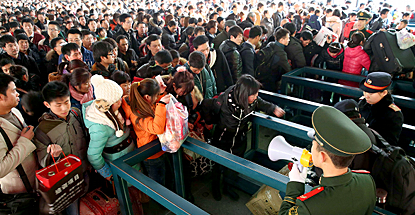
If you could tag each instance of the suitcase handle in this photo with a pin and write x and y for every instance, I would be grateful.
(105, 197)
(383, 51)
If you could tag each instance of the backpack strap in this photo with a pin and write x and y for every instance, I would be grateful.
(19, 168)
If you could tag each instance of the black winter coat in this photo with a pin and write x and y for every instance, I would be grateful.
(222, 36)
(332, 63)
(247, 23)
(26, 61)
(295, 53)
(132, 41)
(230, 118)
(168, 40)
(247, 53)
(279, 67)
(230, 50)
(220, 69)
(384, 117)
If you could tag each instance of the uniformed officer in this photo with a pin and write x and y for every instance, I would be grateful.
(363, 19)
(336, 141)
(378, 108)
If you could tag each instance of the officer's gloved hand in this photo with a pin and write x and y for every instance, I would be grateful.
(296, 175)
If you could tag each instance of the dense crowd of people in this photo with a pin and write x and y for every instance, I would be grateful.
(80, 77)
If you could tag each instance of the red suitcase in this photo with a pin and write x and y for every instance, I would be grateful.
(97, 203)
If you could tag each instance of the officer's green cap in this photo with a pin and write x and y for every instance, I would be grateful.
(339, 135)
(363, 15)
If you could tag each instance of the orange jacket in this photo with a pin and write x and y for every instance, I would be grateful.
(149, 127)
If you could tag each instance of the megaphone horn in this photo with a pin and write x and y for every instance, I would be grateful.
(279, 149)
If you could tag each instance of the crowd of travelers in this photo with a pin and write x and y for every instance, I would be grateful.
(79, 77)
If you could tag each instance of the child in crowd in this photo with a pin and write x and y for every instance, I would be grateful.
(355, 58)
(332, 59)
(61, 130)
(162, 59)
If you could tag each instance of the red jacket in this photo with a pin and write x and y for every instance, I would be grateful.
(354, 60)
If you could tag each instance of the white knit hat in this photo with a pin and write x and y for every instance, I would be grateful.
(106, 89)
(110, 92)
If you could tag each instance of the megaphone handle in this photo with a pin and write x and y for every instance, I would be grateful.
(300, 168)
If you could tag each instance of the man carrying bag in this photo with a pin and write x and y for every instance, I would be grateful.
(17, 161)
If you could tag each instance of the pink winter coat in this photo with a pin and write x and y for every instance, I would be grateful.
(354, 60)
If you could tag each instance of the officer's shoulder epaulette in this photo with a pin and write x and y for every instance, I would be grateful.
(394, 107)
(361, 171)
(369, 31)
(310, 194)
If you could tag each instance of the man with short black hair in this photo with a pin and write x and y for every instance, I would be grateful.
(167, 38)
(230, 48)
(247, 50)
(28, 49)
(294, 49)
(20, 154)
(53, 32)
(104, 59)
(28, 27)
(126, 54)
(75, 36)
(87, 39)
(222, 36)
(71, 51)
(153, 45)
(92, 25)
(11, 48)
(216, 63)
(279, 66)
(380, 22)
(162, 59)
(204, 80)
(126, 22)
(142, 30)
(40, 20)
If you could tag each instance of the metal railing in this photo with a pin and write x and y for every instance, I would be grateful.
(124, 173)
(295, 77)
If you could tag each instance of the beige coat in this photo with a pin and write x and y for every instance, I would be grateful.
(21, 153)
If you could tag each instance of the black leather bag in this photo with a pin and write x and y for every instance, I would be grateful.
(22, 203)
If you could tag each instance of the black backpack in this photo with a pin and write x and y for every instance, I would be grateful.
(265, 59)
(394, 172)
(267, 69)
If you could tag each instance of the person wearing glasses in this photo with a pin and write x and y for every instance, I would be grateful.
(74, 36)
(53, 32)
(104, 59)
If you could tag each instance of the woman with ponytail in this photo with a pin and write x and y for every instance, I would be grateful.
(355, 58)
(147, 113)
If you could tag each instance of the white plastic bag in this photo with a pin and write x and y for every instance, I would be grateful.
(176, 126)
(405, 39)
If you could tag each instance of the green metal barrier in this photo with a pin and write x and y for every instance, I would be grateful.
(123, 172)
(295, 77)
(408, 131)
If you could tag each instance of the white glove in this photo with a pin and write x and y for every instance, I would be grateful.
(296, 175)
